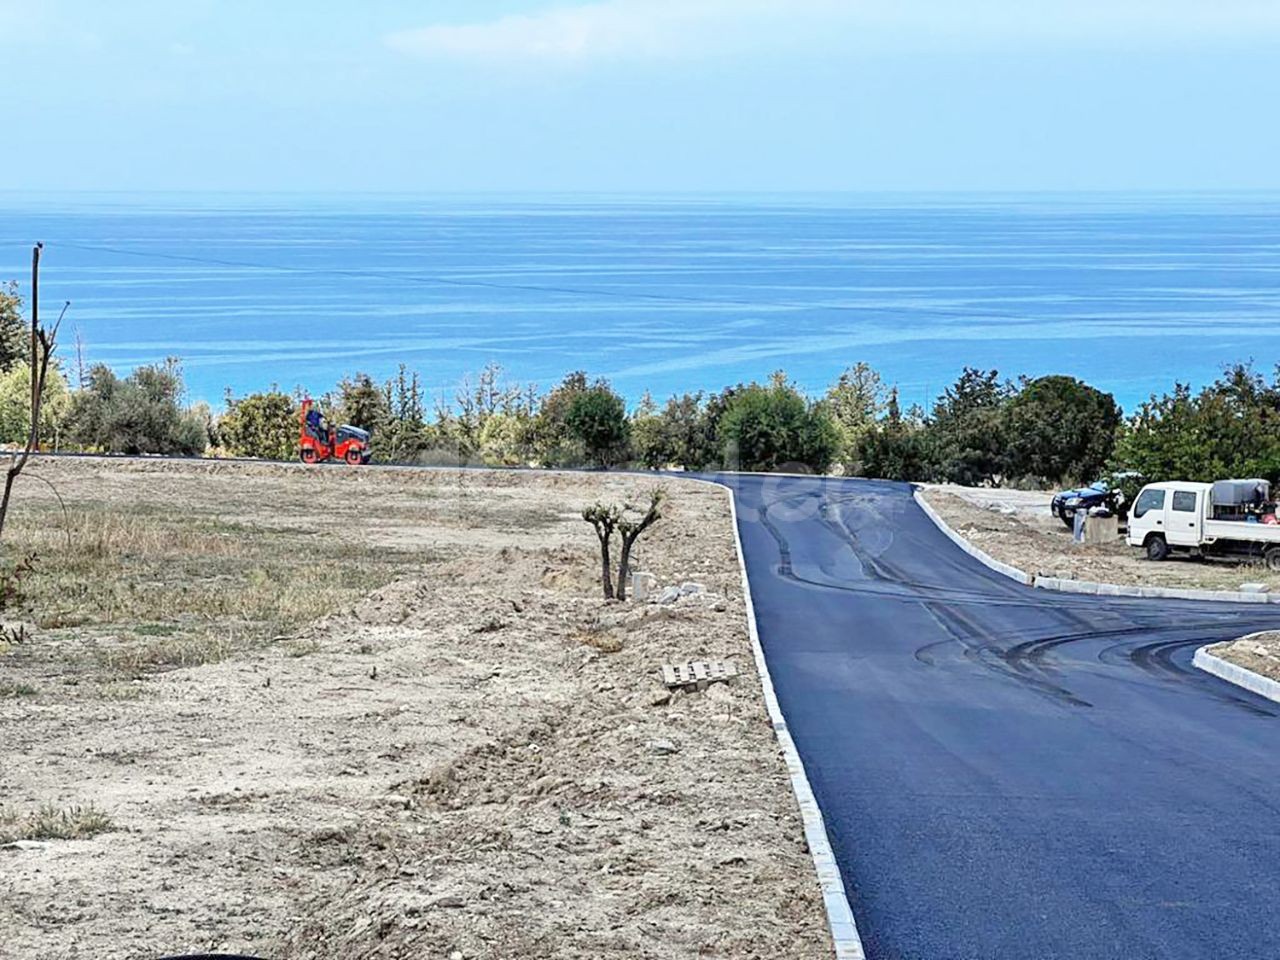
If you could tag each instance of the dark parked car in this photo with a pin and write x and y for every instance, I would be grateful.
(1065, 505)
(1109, 493)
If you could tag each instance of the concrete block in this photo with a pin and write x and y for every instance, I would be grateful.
(1101, 529)
(642, 585)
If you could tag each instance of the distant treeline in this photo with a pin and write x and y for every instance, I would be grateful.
(983, 429)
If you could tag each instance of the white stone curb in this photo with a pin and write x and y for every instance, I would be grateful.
(1240, 676)
(1171, 593)
(844, 930)
(1013, 573)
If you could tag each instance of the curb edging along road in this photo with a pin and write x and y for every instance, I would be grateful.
(1013, 573)
(1088, 587)
(1234, 673)
(844, 930)
(1171, 593)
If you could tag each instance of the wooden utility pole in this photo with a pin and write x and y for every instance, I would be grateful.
(42, 344)
(35, 330)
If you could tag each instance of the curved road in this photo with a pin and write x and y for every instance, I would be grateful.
(1008, 772)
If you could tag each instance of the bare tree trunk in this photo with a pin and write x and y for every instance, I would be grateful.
(624, 567)
(10, 476)
(80, 377)
(35, 340)
(606, 571)
(605, 521)
(631, 533)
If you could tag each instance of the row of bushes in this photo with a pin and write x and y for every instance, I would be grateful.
(982, 429)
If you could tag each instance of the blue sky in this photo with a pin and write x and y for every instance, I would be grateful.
(640, 95)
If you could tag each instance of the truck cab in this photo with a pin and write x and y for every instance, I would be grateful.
(1168, 515)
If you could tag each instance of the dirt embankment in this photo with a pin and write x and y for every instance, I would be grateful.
(1016, 527)
(474, 759)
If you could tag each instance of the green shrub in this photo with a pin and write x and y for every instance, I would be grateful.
(768, 428)
(138, 414)
(1061, 429)
(261, 425)
(597, 419)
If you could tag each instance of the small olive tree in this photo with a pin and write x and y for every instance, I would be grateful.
(629, 522)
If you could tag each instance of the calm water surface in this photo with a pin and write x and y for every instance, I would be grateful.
(664, 294)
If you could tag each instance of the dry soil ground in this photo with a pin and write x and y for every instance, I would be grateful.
(343, 714)
(1015, 526)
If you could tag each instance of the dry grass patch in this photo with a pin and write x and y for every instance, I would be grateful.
(601, 638)
(121, 692)
(170, 566)
(189, 567)
(53, 823)
(170, 653)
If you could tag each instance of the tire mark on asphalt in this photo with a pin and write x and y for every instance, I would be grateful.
(978, 648)
(1027, 661)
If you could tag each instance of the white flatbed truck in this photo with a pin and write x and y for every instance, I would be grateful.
(1230, 518)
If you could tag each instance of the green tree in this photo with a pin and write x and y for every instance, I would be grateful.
(893, 448)
(1061, 429)
(15, 405)
(646, 435)
(682, 433)
(15, 333)
(967, 437)
(506, 439)
(261, 425)
(854, 402)
(553, 443)
(1231, 428)
(362, 403)
(460, 425)
(767, 428)
(405, 436)
(141, 413)
(597, 419)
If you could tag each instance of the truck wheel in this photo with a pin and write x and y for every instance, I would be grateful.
(1272, 559)
(1068, 518)
(354, 457)
(308, 455)
(1157, 549)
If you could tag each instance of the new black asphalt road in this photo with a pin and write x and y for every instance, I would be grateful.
(1008, 772)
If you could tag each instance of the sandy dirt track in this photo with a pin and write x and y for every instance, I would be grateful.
(472, 760)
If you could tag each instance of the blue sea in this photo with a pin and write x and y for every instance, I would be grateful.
(664, 294)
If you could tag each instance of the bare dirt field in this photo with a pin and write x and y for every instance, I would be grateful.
(1015, 527)
(344, 714)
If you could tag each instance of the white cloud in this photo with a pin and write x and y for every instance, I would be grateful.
(648, 29)
(606, 29)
